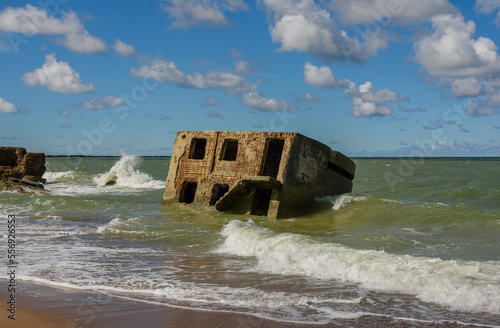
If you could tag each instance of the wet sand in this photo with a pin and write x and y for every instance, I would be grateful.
(43, 306)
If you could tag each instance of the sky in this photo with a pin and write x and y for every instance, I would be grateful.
(365, 77)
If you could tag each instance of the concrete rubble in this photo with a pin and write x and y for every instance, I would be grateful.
(21, 171)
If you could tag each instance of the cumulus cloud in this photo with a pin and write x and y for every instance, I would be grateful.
(322, 77)
(391, 12)
(33, 20)
(260, 102)
(366, 101)
(104, 102)
(191, 13)
(243, 67)
(450, 51)
(57, 77)
(305, 26)
(309, 97)
(479, 108)
(7, 107)
(84, 42)
(466, 87)
(362, 108)
(367, 94)
(164, 70)
(488, 7)
(124, 49)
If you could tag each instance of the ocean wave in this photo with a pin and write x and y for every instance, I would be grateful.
(343, 200)
(469, 286)
(63, 176)
(127, 175)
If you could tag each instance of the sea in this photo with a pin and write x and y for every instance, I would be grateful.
(418, 239)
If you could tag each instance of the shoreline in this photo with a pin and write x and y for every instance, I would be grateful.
(39, 305)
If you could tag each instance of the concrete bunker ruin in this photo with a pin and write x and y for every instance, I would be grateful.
(276, 174)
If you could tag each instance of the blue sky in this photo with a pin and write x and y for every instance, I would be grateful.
(366, 77)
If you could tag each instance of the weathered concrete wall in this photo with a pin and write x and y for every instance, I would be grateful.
(313, 170)
(298, 169)
(213, 169)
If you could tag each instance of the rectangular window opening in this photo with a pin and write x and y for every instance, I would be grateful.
(218, 191)
(198, 146)
(188, 191)
(261, 200)
(229, 150)
(273, 157)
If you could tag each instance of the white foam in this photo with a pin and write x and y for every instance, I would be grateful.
(127, 175)
(459, 285)
(62, 176)
(345, 199)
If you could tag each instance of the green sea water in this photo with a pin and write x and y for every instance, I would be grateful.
(416, 239)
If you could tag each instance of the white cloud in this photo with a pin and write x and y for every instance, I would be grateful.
(309, 97)
(389, 12)
(322, 77)
(366, 93)
(260, 102)
(7, 107)
(210, 101)
(164, 70)
(450, 50)
(33, 20)
(231, 83)
(57, 77)
(123, 48)
(478, 108)
(84, 42)
(494, 99)
(211, 113)
(362, 108)
(235, 53)
(466, 87)
(103, 102)
(487, 7)
(190, 13)
(366, 101)
(304, 26)
(243, 67)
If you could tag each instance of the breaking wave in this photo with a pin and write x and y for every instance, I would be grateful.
(470, 286)
(126, 173)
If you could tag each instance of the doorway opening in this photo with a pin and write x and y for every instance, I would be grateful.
(218, 191)
(188, 191)
(261, 200)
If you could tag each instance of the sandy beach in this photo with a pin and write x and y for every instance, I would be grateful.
(44, 306)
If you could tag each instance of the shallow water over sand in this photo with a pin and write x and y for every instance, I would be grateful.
(415, 239)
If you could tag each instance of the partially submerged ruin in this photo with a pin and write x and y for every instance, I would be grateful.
(277, 174)
(21, 171)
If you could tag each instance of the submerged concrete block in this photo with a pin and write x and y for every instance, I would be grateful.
(277, 174)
